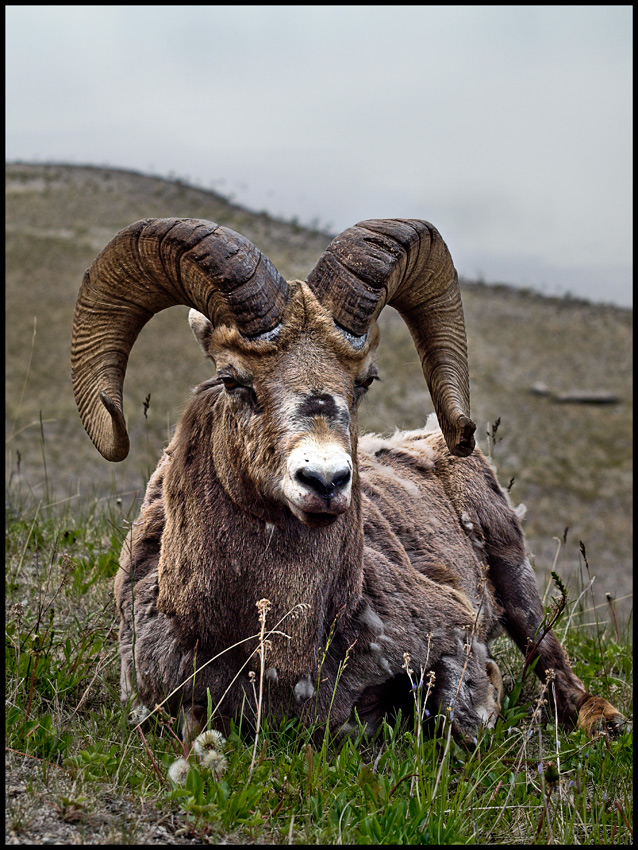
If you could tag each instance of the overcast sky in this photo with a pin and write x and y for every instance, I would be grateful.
(508, 127)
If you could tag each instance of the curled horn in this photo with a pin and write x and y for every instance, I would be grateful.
(405, 263)
(149, 266)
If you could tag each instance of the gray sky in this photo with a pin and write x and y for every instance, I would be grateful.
(508, 127)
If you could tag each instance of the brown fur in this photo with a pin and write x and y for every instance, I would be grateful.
(428, 559)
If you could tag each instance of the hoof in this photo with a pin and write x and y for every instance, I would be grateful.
(597, 716)
(490, 710)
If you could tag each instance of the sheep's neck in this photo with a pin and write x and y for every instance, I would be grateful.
(224, 560)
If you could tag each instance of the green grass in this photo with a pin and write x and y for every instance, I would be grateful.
(525, 782)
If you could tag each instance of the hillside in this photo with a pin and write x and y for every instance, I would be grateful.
(571, 463)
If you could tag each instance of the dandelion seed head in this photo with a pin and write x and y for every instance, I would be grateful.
(215, 763)
(138, 715)
(178, 771)
(211, 739)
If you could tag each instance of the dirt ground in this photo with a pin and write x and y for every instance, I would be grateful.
(44, 805)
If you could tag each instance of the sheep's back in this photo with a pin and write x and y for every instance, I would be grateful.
(409, 513)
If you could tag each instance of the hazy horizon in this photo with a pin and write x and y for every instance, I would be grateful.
(509, 128)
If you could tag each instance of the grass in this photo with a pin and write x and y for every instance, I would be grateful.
(525, 782)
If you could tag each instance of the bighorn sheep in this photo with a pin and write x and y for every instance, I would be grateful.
(383, 546)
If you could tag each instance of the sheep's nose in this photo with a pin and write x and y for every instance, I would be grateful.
(318, 482)
(325, 482)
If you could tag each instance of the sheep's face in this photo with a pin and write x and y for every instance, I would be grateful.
(285, 418)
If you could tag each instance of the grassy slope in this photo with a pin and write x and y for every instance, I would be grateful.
(571, 463)
(86, 777)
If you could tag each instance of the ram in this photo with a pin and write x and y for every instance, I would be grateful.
(382, 552)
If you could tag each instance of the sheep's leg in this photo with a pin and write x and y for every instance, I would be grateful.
(477, 492)
(469, 686)
(518, 593)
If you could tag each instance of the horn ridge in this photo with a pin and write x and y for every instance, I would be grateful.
(148, 266)
(405, 263)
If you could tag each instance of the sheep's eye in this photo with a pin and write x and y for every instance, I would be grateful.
(230, 383)
(361, 387)
(367, 382)
(239, 389)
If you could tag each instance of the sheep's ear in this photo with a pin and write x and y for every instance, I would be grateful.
(201, 327)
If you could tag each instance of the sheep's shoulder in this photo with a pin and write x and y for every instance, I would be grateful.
(409, 517)
(419, 460)
(414, 479)
(482, 504)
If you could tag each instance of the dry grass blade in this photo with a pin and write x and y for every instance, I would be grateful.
(263, 607)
